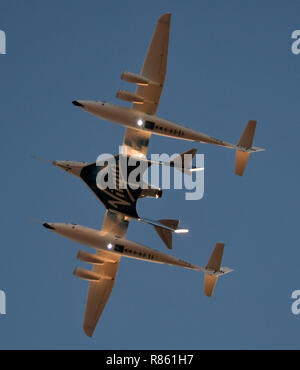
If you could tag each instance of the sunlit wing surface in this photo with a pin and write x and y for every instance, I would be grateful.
(99, 291)
(154, 68)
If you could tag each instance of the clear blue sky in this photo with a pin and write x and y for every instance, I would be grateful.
(228, 62)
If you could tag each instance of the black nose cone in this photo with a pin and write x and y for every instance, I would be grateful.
(47, 226)
(75, 102)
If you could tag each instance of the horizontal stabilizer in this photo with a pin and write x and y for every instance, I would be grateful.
(210, 282)
(213, 269)
(241, 160)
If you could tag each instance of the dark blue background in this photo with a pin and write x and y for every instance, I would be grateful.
(228, 62)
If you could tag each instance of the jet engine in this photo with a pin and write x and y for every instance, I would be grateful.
(129, 96)
(137, 79)
(89, 258)
(86, 274)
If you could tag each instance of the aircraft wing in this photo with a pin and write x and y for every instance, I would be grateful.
(155, 69)
(99, 291)
(155, 66)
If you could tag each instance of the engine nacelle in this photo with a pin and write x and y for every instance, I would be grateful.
(90, 258)
(151, 192)
(137, 79)
(129, 96)
(86, 274)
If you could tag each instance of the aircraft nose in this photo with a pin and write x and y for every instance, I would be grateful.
(77, 103)
(62, 164)
(48, 226)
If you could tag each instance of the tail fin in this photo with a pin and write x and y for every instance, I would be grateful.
(164, 229)
(215, 259)
(173, 224)
(213, 269)
(166, 234)
(182, 161)
(244, 148)
(247, 137)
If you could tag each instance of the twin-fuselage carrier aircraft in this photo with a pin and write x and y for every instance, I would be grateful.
(140, 121)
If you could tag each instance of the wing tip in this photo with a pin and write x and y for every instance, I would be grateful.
(88, 330)
(166, 18)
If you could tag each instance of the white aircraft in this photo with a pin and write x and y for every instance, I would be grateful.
(110, 242)
(141, 120)
(106, 261)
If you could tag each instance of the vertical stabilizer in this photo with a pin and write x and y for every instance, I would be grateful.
(215, 260)
(166, 234)
(247, 137)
